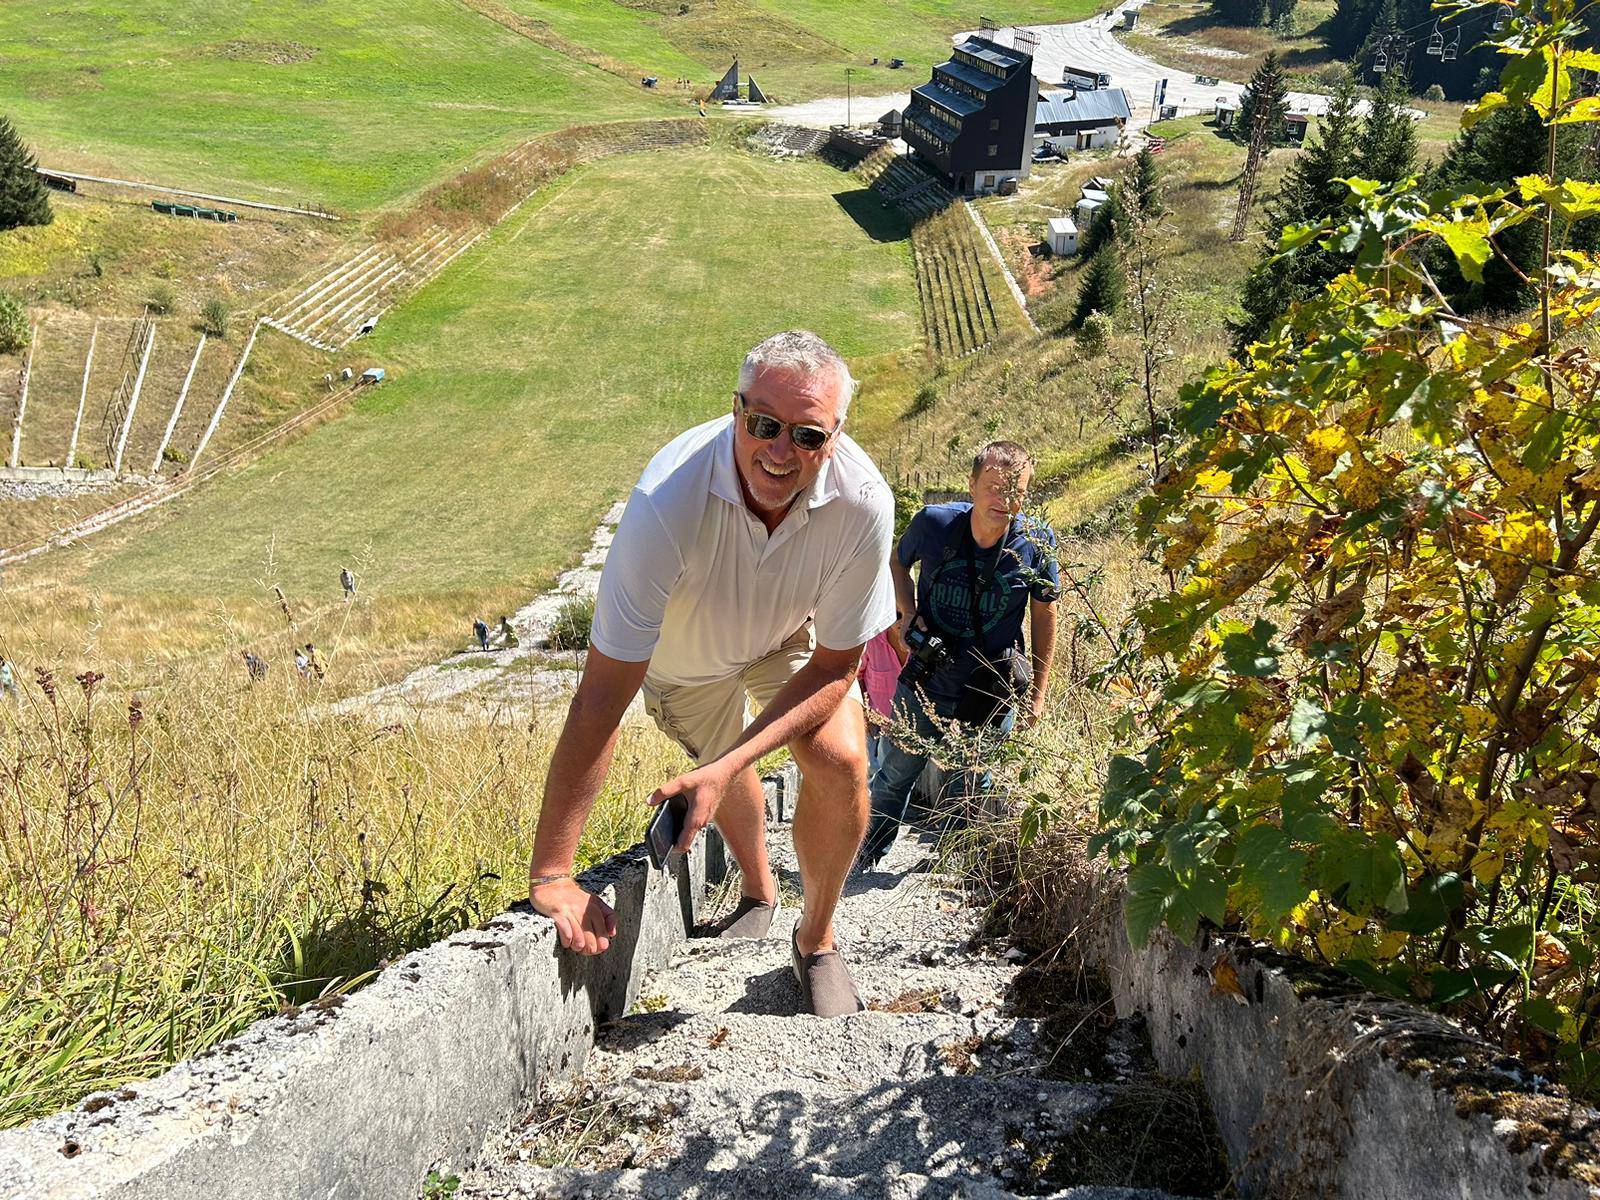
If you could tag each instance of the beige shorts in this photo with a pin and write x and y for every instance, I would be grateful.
(706, 719)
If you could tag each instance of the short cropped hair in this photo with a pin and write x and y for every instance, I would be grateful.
(1006, 456)
(798, 350)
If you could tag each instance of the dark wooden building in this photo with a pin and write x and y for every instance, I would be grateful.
(973, 121)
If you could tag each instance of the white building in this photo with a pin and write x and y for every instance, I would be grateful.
(1063, 236)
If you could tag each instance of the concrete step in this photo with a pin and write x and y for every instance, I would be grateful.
(699, 1183)
(715, 976)
(811, 1053)
(968, 1129)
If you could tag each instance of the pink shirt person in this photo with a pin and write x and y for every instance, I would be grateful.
(880, 672)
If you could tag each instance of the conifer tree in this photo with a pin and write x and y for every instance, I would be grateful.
(1241, 12)
(24, 200)
(1349, 26)
(1508, 144)
(1144, 182)
(1103, 285)
(1310, 194)
(1268, 91)
(1388, 146)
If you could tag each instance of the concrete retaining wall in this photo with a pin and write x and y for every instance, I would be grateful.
(1322, 1090)
(359, 1096)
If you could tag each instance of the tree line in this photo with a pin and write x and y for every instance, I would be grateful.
(1377, 141)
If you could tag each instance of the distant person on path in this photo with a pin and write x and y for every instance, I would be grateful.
(480, 630)
(508, 635)
(302, 664)
(256, 666)
(348, 582)
(749, 564)
(880, 670)
(8, 680)
(313, 658)
(984, 566)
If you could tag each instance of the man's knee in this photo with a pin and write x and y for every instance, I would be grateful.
(837, 747)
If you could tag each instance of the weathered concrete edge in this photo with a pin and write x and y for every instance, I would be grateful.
(1308, 1092)
(360, 1098)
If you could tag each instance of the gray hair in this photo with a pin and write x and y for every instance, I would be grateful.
(798, 350)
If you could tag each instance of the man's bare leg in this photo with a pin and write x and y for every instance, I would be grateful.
(830, 816)
(742, 820)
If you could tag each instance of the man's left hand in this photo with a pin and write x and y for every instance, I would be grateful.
(702, 789)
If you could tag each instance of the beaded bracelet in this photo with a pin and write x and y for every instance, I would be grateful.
(540, 879)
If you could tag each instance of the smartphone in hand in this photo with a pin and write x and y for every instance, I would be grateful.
(665, 828)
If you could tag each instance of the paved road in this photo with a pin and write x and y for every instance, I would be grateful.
(1092, 44)
(1088, 43)
(830, 110)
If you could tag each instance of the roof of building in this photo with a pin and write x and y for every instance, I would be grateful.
(1065, 108)
(944, 98)
(1062, 225)
(992, 52)
(924, 119)
(1088, 203)
(970, 75)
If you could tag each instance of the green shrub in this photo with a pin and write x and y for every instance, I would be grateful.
(162, 299)
(214, 317)
(1369, 688)
(1094, 335)
(13, 325)
(571, 628)
(1434, 92)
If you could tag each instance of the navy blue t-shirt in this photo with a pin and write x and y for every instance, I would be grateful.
(1020, 567)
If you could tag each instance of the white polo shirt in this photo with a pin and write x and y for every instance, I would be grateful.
(694, 583)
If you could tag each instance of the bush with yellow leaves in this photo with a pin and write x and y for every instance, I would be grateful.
(1378, 666)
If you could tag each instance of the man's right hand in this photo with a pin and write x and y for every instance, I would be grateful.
(902, 630)
(584, 922)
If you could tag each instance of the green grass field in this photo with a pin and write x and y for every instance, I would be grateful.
(533, 379)
(354, 104)
(798, 49)
(359, 104)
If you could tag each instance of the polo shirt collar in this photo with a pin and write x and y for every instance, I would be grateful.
(725, 477)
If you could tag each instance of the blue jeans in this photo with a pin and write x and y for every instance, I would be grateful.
(895, 772)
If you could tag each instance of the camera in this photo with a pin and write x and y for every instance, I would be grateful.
(930, 654)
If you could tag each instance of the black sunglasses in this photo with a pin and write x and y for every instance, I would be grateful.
(764, 428)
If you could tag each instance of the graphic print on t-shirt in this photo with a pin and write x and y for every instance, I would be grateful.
(950, 596)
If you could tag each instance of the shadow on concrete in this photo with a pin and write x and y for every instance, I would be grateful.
(639, 1029)
(773, 993)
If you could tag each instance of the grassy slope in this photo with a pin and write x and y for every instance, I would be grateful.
(798, 49)
(395, 92)
(533, 379)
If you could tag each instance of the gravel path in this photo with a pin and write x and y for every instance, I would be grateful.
(717, 1088)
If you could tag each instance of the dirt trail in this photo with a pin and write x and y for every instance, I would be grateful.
(514, 677)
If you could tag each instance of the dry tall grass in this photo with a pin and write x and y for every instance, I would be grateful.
(185, 856)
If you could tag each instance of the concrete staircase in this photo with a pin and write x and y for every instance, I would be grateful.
(714, 1087)
(920, 194)
(330, 310)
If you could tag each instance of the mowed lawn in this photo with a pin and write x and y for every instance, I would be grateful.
(532, 381)
(353, 103)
